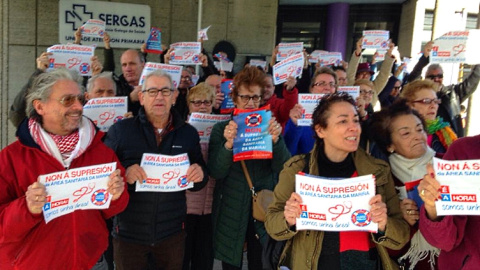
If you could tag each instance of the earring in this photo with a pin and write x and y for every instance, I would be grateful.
(391, 151)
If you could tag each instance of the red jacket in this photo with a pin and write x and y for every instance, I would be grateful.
(73, 241)
(281, 106)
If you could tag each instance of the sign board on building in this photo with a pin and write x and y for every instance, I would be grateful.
(127, 24)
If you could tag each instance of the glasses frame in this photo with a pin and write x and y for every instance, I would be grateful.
(323, 84)
(244, 99)
(432, 77)
(66, 102)
(198, 103)
(365, 92)
(428, 101)
(153, 92)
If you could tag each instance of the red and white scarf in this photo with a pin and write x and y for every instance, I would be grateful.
(63, 148)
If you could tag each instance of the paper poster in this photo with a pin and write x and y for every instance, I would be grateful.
(93, 28)
(174, 71)
(459, 187)
(186, 53)
(286, 50)
(154, 41)
(308, 102)
(104, 112)
(195, 78)
(202, 34)
(380, 55)
(292, 66)
(227, 105)
(353, 91)
(253, 140)
(223, 65)
(77, 189)
(456, 47)
(315, 56)
(72, 57)
(330, 59)
(204, 123)
(258, 63)
(164, 173)
(375, 39)
(335, 205)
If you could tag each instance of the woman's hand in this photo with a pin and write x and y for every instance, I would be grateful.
(275, 129)
(428, 189)
(296, 113)
(409, 211)
(230, 132)
(378, 211)
(292, 209)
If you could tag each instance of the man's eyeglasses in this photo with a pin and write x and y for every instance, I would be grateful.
(432, 77)
(428, 101)
(323, 84)
(68, 100)
(185, 78)
(247, 98)
(153, 92)
(397, 87)
(365, 92)
(198, 103)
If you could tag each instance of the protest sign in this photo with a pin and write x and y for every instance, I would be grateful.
(154, 41)
(353, 91)
(292, 66)
(258, 63)
(202, 34)
(375, 39)
(315, 56)
(308, 102)
(459, 187)
(330, 58)
(456, 47)
(164, 173)
(204, 123)
(185, 53)
(286, 50)
(104, 112)
(335, 205)
(174, 71)
(227, 104)
(253, 140)
(93, 28)
(76, 189)
(72, 57)
(380, 55)
(223, 65)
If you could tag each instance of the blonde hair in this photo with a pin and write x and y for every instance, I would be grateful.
(201, 90)
(409, 91)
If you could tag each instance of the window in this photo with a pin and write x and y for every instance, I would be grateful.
(472, 21)
(306, 32)
(428, 22)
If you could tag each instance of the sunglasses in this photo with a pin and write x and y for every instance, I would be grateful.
(432, 77)
(428, 101)
(68, 100)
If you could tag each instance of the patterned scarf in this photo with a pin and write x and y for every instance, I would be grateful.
(63, 148)
(443, 130)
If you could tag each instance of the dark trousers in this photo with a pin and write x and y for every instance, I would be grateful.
(198, 244)
(254, 251)
(166, 255)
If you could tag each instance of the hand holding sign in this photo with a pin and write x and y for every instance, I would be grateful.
(429, 192)
(135, 173)
(36, 197)
(378, 212)
(116, 185)
(195, 173)
(292, 209)
(230, 132)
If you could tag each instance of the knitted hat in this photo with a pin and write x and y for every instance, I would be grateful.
(364, 67)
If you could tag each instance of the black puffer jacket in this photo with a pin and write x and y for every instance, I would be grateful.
(152, 216)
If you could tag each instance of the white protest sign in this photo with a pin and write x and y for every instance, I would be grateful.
(456, 47)
(258, 63)
(292, 66)
(315, 56)
(93, 28)
(330, 58)
(380, 55)
(72, 57)
(459, 187)
(174, 71)
(353, 91)
(75, 189)
(286, 50)
(185, 53)
(375, 39)
(202, 34)
(164, 173)
(127, 24)
(223, 65)
(335, 205)
(204, 123)
(308, 102)
(104, 112)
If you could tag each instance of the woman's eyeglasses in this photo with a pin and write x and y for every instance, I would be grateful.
(428, 101)
(198, 103)
(247, 98)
